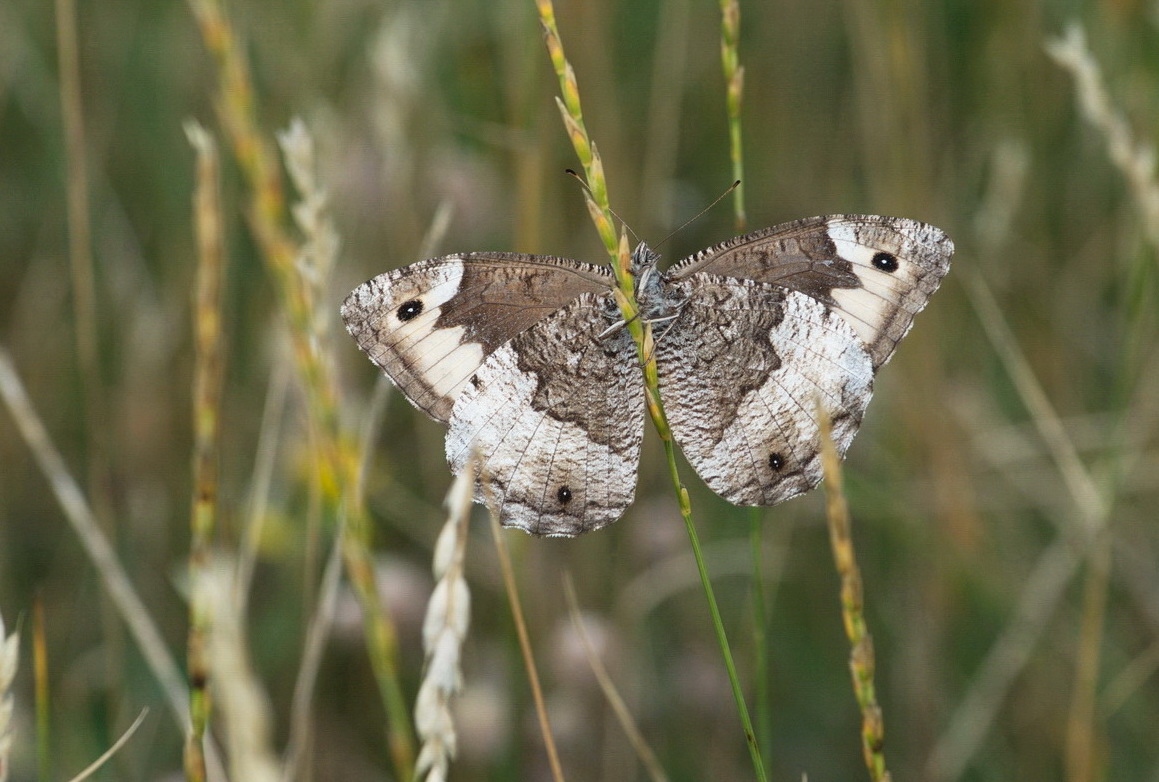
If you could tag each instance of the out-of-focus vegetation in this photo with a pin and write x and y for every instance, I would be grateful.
(1000, 487)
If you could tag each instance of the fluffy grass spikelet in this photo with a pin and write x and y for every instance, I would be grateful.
(444, 630)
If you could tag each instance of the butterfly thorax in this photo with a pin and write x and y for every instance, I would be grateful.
(658, 301)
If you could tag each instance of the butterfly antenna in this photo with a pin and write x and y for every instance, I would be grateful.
(699, 214)
(586, 187)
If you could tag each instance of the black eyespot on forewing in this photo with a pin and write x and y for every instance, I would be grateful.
(776, 462)
(563, 495)
(886, 262)
(410, 310)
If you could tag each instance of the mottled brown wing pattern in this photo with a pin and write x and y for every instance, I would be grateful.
(556, 417)
(430, 326)
(742, 371)
(876, 272)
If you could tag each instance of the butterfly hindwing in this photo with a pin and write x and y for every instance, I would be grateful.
(556, 417)
(876, 272)
(742, 370)
(429, 326)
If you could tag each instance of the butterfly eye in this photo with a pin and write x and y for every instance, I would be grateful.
(564, 495)
(776, 461)
(886, 262)
(410, 310)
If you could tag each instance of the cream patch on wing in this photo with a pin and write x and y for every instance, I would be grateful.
(395, 319)
(870, 308)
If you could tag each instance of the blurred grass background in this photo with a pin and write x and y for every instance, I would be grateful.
(1009, 643)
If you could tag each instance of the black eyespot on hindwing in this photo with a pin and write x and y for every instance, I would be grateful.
(776, 461)
(410, 310)
(563, 495)
(886, 262)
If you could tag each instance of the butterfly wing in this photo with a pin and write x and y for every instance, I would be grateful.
(429, 326)
(742, 369)
(875, 272)
(556, 416)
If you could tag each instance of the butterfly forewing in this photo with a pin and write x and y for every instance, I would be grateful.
(431, 325)
(556, 417)
(742, 370)
(876, 272)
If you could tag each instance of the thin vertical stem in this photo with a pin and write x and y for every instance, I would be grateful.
(641, 331)
(525, 647)
(734, 81)
(209, 358)
(337, 462)
(861, 658)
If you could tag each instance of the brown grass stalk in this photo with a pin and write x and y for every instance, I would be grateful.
(335, 449)
(862, 663)
(208, 369)
(624, 716)
(85, 326)
(513, 600)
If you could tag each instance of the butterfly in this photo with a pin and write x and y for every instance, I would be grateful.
(525, 358)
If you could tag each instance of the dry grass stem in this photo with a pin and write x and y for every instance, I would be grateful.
(525, 646)
(976, 711)
(265, 460)
(1135, 160)
(80, 241)
(241, 701)
(444, 630)
(9, 662)
(1129, 680)
(317, 634)
(96, 546)
(295, 270)
(208, 370)
(628, 723)
(1046, 586)
(1092, 508)
(861, 658)
(107, 755)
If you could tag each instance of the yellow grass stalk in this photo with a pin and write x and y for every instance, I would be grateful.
(335, 449)
(861, 657)
(209, 358)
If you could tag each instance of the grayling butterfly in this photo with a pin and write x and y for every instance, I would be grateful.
(520, 355)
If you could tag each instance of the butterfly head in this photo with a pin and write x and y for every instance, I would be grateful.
(657, 300)
(643, 259)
